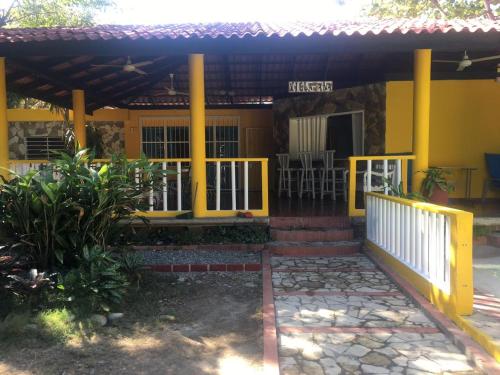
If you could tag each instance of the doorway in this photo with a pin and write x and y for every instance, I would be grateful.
(345, 134)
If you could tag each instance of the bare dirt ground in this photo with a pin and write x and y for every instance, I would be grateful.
(206, 323)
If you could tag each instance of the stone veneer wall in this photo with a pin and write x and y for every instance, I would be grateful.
(111, 135)
(370, 98)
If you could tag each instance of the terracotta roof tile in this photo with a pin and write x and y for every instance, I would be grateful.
(247, 29)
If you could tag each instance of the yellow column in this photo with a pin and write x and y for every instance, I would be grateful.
(79, 118)
(4, 124)
(197, 110)
(421, 114)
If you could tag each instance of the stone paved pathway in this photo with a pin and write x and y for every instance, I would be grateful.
(340, 315)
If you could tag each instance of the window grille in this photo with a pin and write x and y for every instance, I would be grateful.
(168, 137)
(43, 147)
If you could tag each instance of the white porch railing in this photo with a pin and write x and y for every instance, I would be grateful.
(173, 198)
(375, 172)
(233, 185)
(433, 243)
(415, 236)
(239, 184)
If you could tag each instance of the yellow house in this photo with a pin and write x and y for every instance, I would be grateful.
(268, 120)
(218, 102)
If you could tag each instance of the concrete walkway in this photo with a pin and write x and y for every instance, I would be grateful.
(341, 315)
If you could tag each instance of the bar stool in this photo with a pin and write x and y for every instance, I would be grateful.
(332, 176)
(287, 175)
(307, 175)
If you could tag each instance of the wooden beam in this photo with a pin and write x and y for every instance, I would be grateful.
(56, 81)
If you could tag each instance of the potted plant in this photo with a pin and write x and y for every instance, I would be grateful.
(435, 187)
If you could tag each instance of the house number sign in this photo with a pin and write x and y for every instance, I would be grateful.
(310, 86)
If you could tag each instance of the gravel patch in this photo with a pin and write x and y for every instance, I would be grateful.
(199, 257)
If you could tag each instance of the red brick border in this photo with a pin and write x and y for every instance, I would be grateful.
(358, 330)
(230, 267)
(346, 294)
(326, 269)
(472, 349)
(271, 358)
(219, 247)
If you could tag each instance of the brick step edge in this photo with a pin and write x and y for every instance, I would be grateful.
(302, 235)
(219, 247)
(325, 249)
(284, 222)
(223, 267)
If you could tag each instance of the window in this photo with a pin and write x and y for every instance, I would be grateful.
(222, 141)
(43, 147)
(153, 142)
(168, 137)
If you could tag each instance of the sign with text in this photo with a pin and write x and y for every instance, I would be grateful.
(310, 86)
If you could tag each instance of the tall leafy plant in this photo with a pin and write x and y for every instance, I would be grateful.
(52, 213)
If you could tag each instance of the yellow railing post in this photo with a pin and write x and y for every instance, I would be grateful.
(197, 111)
(462, 284)
(352, 187)
(404, 175)
(265, 187)
(4, 124)
(79, 118)
(421, 114)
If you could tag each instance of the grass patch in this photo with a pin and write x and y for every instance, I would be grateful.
(57, 324)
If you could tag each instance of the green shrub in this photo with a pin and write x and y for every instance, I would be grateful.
(52, 213)
(132, 265)
(97, 284)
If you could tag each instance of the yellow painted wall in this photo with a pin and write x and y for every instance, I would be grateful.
(464, 124)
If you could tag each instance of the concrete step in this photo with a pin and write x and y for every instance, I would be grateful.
(304, 248)
(293, 222)
(312, 234)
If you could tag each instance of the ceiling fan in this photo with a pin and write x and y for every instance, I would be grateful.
(128, 67)
(171, 90)
(466, 61)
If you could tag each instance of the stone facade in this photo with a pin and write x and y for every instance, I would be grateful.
(370, 98)
(110, 133)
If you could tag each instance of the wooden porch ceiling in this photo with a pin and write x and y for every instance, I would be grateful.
(230, 79)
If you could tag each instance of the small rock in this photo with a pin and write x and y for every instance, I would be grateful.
(115, 316)
(99, 319)
(250, 285)
(312, 352)
(357, 351)
(167, 317)
(181, 279)
(312, 368)
(376, 359)
(368, 369)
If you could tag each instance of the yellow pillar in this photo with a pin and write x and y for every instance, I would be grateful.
(421, 114)
(197, 111)
(4, 125)
(79, 118)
